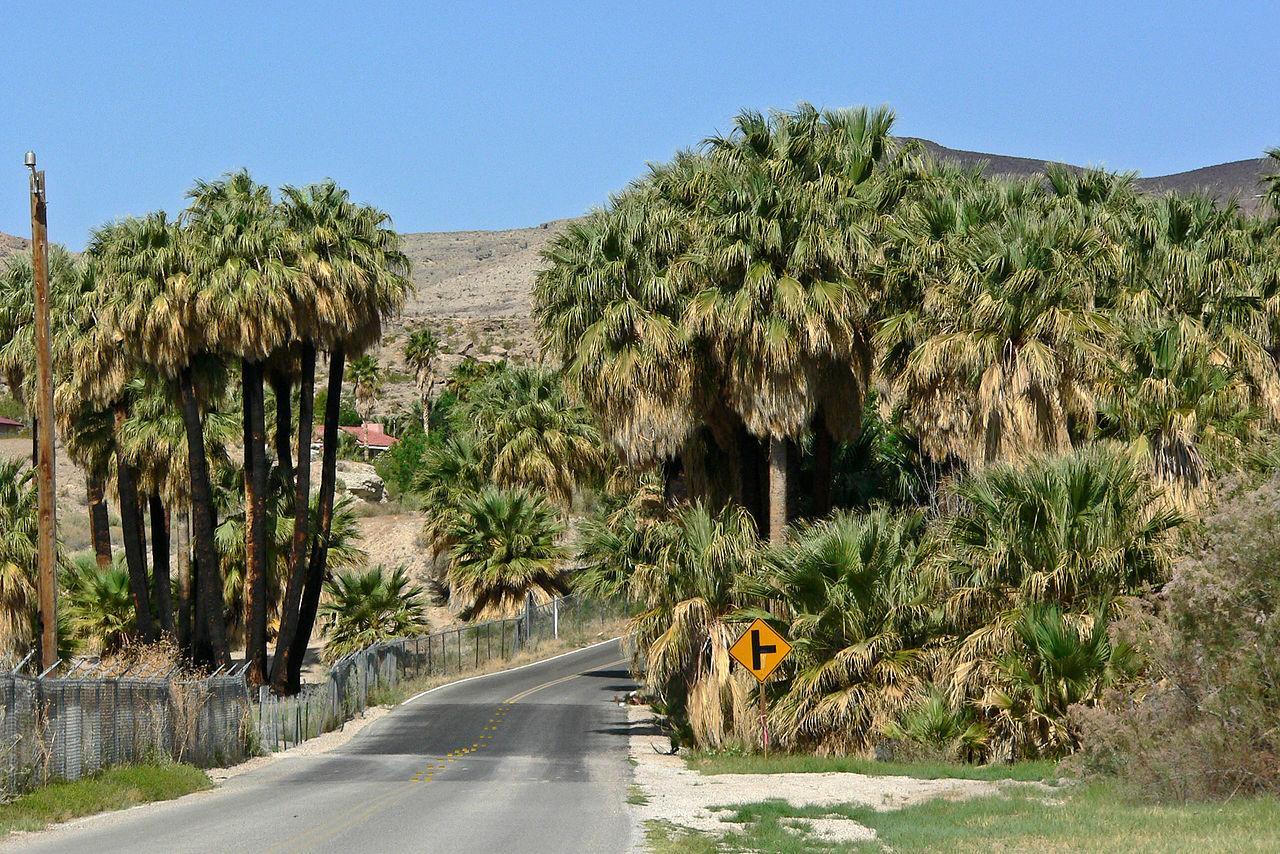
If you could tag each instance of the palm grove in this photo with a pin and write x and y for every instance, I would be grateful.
(168, 336)
(954, 434)
(1020, 393)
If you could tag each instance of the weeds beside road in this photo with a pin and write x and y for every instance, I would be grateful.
(113, 789)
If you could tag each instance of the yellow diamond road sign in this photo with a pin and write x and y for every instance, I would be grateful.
(760, 650)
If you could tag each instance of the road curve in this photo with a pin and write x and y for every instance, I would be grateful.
(527, 760)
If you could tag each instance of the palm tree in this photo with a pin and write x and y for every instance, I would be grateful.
(448, 472)
(1054, 663)
(146, 314)
(69, 282)
(785, 276)
(100, 604)
(363, 608)
(610, 311)
(690, 598)
(420, 352)
(18, 522)
(860, 599)
(504, 549)
(1004, 353)
(1178, 406)
(528, 433)
(617, 546)
(1272, 180)
(366, 379)
(244, 308)
(353, 274)
(1067, 531)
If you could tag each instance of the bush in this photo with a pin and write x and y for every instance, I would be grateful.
(399, 465)
(1205, 723)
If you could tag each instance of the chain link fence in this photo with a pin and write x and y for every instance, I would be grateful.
(282, 722)
(67, 727)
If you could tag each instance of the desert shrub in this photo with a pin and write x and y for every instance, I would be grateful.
(399, 465)
(1205, 722)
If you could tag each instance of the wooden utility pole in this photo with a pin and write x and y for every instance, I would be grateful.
(47, 551)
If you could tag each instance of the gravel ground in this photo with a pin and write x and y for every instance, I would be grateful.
(686, 798)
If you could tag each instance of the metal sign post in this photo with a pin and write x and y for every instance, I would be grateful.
(760, 650)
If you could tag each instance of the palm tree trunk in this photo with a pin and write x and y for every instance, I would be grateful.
(182, 531)
(99, 520)
(292, 600)
(255, 523)
(282, 387)
(210, 635)
(823, 450)
(320, 543)
(134, 550)
(161, 595)
(777, 489)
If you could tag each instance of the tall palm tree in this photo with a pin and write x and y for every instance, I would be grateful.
(786, 276)
(610, 311)
(420, 352)
(244, 309)
(504, 549)
(353, 273)
(1004, 353)
(69, 281)
(366, 380)
(146, 313)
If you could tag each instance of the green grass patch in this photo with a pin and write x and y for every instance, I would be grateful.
(113, 789)
(1093, 817)
(724, 763)
(636, 796)
(665, 839)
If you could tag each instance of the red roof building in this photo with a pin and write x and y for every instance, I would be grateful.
(370, 436)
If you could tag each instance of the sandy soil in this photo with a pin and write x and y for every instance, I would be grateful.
(686, 798)
(392, 540)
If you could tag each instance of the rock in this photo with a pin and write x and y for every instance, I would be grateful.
(361, 481)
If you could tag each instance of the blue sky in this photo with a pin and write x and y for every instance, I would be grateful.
(473, 115)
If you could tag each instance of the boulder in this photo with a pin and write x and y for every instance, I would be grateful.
(359, 480)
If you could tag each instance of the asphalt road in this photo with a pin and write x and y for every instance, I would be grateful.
(530, 760)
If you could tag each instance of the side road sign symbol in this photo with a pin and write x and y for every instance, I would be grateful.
(760, 650)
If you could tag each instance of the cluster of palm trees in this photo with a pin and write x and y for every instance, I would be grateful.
(993, 607)
(507, 459)
(743, 301)
(1043, 377)
(169, 335)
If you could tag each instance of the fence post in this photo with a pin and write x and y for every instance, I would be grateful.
(555, 618)
(528, 615)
